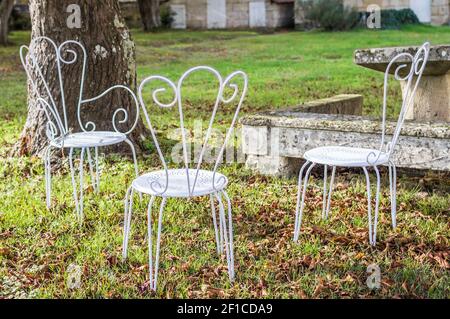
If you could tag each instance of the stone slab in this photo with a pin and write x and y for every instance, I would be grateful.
(432, 99)
(286, 136)
(379, 58)
(345, 123)
(340, 104)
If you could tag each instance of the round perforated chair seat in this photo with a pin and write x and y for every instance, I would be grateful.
(89, 139)
(346, 156)
(154, 183)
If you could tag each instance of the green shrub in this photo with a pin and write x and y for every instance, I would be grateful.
(20, 18)
(330, 15)
(166, 16)
(394, 19)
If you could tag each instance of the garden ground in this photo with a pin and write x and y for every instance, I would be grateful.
(37, 246)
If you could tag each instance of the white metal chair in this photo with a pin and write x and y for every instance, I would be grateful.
(187, 182)
(341, 156)
(54, 105)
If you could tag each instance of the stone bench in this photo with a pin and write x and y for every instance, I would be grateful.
(340, 104)
(274, 142)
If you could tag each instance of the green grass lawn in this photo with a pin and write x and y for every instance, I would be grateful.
(38, 246)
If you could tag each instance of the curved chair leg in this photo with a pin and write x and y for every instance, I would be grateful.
(230, 233)
(48, 177)
(225, 235)
(133, 150)
(333, 174)
(127, 221)
(154, 272)
(91, 170)
(78, 198)
(221, 231)
(300, 206)
(393, 191)
(74, 184)
(369, 206)
(327, 193)
(222, 227)
(377, 205)
(81, 203)
(324, 200)
(136, 168)
(97, 171)
(219, 244)
(299, 192)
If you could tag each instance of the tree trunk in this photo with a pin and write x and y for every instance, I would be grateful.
(110, 61)
(150, 15)
(6, 7)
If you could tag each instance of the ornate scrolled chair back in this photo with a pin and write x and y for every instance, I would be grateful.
(67, 53)
(237, 96)
(52, 102)
(410, 74)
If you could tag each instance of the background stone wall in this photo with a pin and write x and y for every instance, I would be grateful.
(195, 12)
(277, 14)
(130, 12)
(440, 12)
(384, 4)
(440, 9)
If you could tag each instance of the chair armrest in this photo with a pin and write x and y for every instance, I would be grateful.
(90, 126)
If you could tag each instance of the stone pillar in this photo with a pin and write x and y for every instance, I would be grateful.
(432, 100)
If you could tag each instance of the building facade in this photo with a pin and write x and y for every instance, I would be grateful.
(232, 14)
(435, 12)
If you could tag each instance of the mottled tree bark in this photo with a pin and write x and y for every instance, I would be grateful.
(150, 14)
(110, 61)
(6, 7)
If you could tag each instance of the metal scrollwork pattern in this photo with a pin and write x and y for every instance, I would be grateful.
(229, 82)
(159, 187)
(155, 185)
(67, 53)
(411, 76)
(90, 126)
(51, 101)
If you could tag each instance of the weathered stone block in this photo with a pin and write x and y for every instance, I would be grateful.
(350, 104)
(290, 134)
(379, 58)
(255, 140)
(432, 99)
(273, 165)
